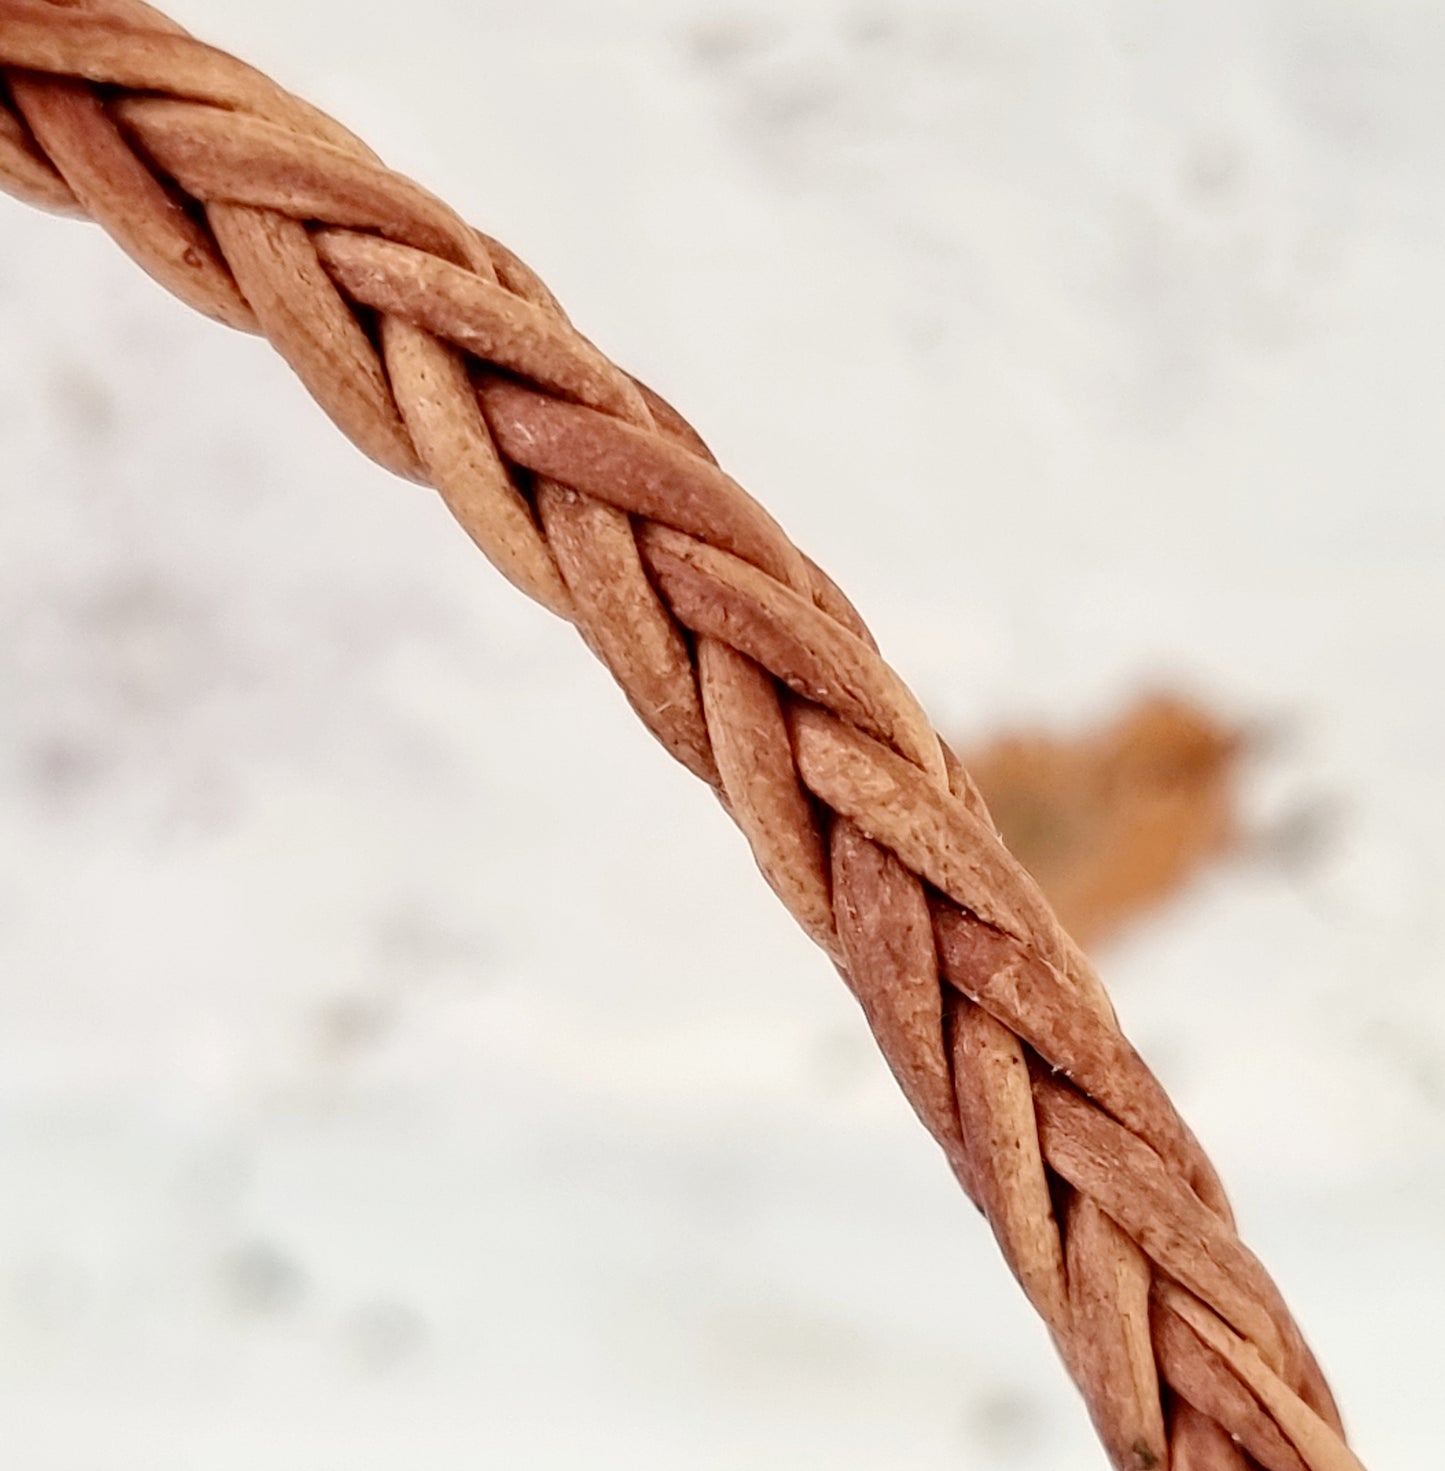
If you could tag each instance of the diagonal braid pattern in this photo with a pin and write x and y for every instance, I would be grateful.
(441, 356)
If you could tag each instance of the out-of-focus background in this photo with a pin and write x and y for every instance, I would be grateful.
(400, 1063)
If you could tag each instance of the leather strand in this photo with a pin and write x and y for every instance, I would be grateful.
(443, 358)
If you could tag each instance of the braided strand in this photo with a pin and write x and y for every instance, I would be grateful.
(444, 359)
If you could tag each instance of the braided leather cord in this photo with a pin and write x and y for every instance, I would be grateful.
(441, 356)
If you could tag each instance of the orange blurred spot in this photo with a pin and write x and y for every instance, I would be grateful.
(1116, 821)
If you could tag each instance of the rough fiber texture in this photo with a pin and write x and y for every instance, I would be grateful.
(442, 357)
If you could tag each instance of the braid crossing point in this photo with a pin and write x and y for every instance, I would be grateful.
(441, 356)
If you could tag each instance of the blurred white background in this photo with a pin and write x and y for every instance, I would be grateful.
(401, 1064)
